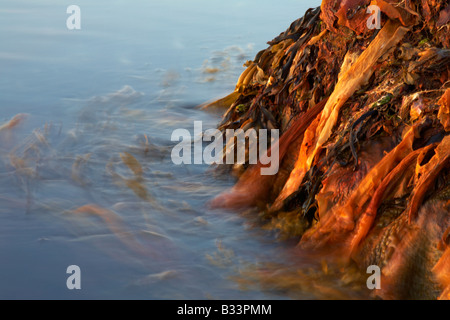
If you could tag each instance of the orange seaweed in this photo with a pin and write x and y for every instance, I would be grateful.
(340, 220)
(114, 223)
(442, 272)
(388, 185)
(252, 186)
(357, 22)
(439, 162)
(396, 12)
(15, 121)
(444, 110)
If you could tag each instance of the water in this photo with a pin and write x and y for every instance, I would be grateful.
(95, 102)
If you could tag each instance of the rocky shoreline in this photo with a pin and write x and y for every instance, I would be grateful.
(364, 149)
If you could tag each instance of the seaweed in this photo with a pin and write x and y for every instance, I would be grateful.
(364, 121)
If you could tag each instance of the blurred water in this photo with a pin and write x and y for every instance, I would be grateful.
(94, 100)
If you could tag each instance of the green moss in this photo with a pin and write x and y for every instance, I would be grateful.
(241, 108)
(386, 99)
(423, 41)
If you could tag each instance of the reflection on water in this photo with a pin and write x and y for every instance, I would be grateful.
(86, 176)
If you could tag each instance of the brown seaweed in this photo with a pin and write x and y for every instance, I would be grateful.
(364, 117)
